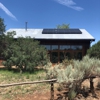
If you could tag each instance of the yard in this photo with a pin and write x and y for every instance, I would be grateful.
(37, 91)
(8, 77)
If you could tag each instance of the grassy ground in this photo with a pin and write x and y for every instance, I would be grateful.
(8, 77)
(35, 91)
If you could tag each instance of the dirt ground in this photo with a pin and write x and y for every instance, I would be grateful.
(35, 96)
(58, 95)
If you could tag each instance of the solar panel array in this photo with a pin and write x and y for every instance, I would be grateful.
(61, 31)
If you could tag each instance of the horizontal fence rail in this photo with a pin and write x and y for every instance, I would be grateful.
(52, 81)
(24, 83)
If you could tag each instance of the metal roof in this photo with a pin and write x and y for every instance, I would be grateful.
(37, 34)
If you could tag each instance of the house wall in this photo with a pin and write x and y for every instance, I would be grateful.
(75, 49)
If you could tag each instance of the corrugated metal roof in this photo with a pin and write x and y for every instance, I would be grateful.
(37, 34)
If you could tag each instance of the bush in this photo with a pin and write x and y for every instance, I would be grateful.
(87, 68)
(25, 54)
(94, 51)
(67, 62)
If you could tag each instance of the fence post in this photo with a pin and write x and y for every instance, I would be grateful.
(52, 91)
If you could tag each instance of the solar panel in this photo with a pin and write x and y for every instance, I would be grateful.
(61, 31)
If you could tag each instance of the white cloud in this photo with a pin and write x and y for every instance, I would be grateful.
(7, 11)
(70, 4)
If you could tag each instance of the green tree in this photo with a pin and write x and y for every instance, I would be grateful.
(5, 42)
(25, 54)
(94, 51)
(2, 30)
(63, 26)
(2, 26)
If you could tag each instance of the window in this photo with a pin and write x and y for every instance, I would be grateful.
(54, 47)
(64, 47)
(47, 47)
(61, 56)
(60, 52)
(76, 47)
(54, 57)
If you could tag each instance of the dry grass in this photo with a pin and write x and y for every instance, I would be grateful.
(20, 92)
(8, 77)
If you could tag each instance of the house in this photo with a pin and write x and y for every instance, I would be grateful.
(60, 43)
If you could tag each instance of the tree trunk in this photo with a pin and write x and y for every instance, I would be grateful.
(20, 70)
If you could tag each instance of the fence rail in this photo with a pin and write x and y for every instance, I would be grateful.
(52, 81)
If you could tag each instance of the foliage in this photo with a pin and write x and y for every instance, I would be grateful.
(94, 51)
(2, 26)
(2, 30)
(5, 40)
(24, 53)
(63, 26)
(74, 75)
(72, 94)
(67, 62)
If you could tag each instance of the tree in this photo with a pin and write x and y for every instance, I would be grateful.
(63, 26)
(2, 26)
(25, 54)
(2, 30)
(94, 51)
(5, 42)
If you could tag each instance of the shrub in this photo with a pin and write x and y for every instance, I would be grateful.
(67, 62)
(94, 51)
(87, 68)
(25, 54)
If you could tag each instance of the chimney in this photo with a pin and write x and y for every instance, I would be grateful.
(26, 26)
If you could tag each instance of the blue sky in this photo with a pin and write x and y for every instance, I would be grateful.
(49, 13)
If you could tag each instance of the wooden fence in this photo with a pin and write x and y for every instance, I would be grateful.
(52, 81)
